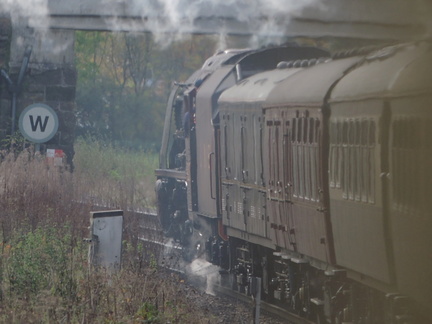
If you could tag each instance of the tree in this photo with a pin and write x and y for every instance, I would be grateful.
(124, 81)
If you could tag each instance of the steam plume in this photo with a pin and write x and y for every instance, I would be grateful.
(35, 11)
(168, 20)
(180, 16)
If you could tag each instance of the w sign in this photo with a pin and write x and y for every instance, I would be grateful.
(38, 123)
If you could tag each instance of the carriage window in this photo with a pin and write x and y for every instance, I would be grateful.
(226, 151)
(243, 152)
(299, 130)
(305, 130)
(305, 157)
(352, 163)
(301, 159)
(311, 131)
(364, 132)
(358, 161)
(411, 153)
(315, 159)
(371, 134)
(276, 160)
(334, 154)
(256, 148)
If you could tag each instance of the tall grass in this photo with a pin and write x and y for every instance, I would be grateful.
(121, 178)
(44, 217)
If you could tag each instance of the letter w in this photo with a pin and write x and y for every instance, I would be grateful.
(38, 121)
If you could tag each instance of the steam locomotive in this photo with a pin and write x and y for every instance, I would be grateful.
(311, 171)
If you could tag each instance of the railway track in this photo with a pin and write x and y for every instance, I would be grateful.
(266, 307)
(198, 272)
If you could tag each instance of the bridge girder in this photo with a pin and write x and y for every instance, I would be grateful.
(220, 25)
(373, 19)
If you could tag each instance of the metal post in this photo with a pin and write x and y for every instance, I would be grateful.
(106, 229)
(256, 295)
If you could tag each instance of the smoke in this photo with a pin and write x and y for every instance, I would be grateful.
(203, 273)
(170, 20)
(33, 12)
(181, 14)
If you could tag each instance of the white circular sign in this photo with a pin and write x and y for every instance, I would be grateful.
(38, 123)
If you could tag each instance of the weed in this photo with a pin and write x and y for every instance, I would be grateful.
(121, 177)
(147, 313)
(39, 260)
(44, 215)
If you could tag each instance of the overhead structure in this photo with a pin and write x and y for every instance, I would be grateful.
(380, 19)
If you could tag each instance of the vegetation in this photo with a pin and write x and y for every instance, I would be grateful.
(118, 178)
(123, 84)
(44, 217)
(124, 81)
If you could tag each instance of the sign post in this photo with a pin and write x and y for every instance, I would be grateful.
(38, 123)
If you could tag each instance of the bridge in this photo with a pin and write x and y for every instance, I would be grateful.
(37, 36)
(51, 22)
(343, 18)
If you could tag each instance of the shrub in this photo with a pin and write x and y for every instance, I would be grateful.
(44, 274)
(42, 260)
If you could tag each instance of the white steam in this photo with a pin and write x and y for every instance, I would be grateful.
(36, 12)
(187, 11)
(168, 20)
(209, 274)
(172, 19)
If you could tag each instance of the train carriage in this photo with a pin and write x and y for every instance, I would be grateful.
(410, 177)
(299, 104)
(242, 139)
(314, 176)
(379, 150)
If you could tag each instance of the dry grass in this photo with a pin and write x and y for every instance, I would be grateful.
(115, 177)
(44, 216)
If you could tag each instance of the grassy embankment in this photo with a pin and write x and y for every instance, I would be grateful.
(44, 274)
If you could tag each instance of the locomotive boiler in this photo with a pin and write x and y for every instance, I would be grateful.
(310, 170)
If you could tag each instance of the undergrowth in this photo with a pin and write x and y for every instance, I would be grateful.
(115, 176)
(44, 217)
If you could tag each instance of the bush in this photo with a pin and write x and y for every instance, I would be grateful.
(42, 260)
(44, 272)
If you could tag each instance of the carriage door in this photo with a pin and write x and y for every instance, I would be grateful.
(276, 177)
